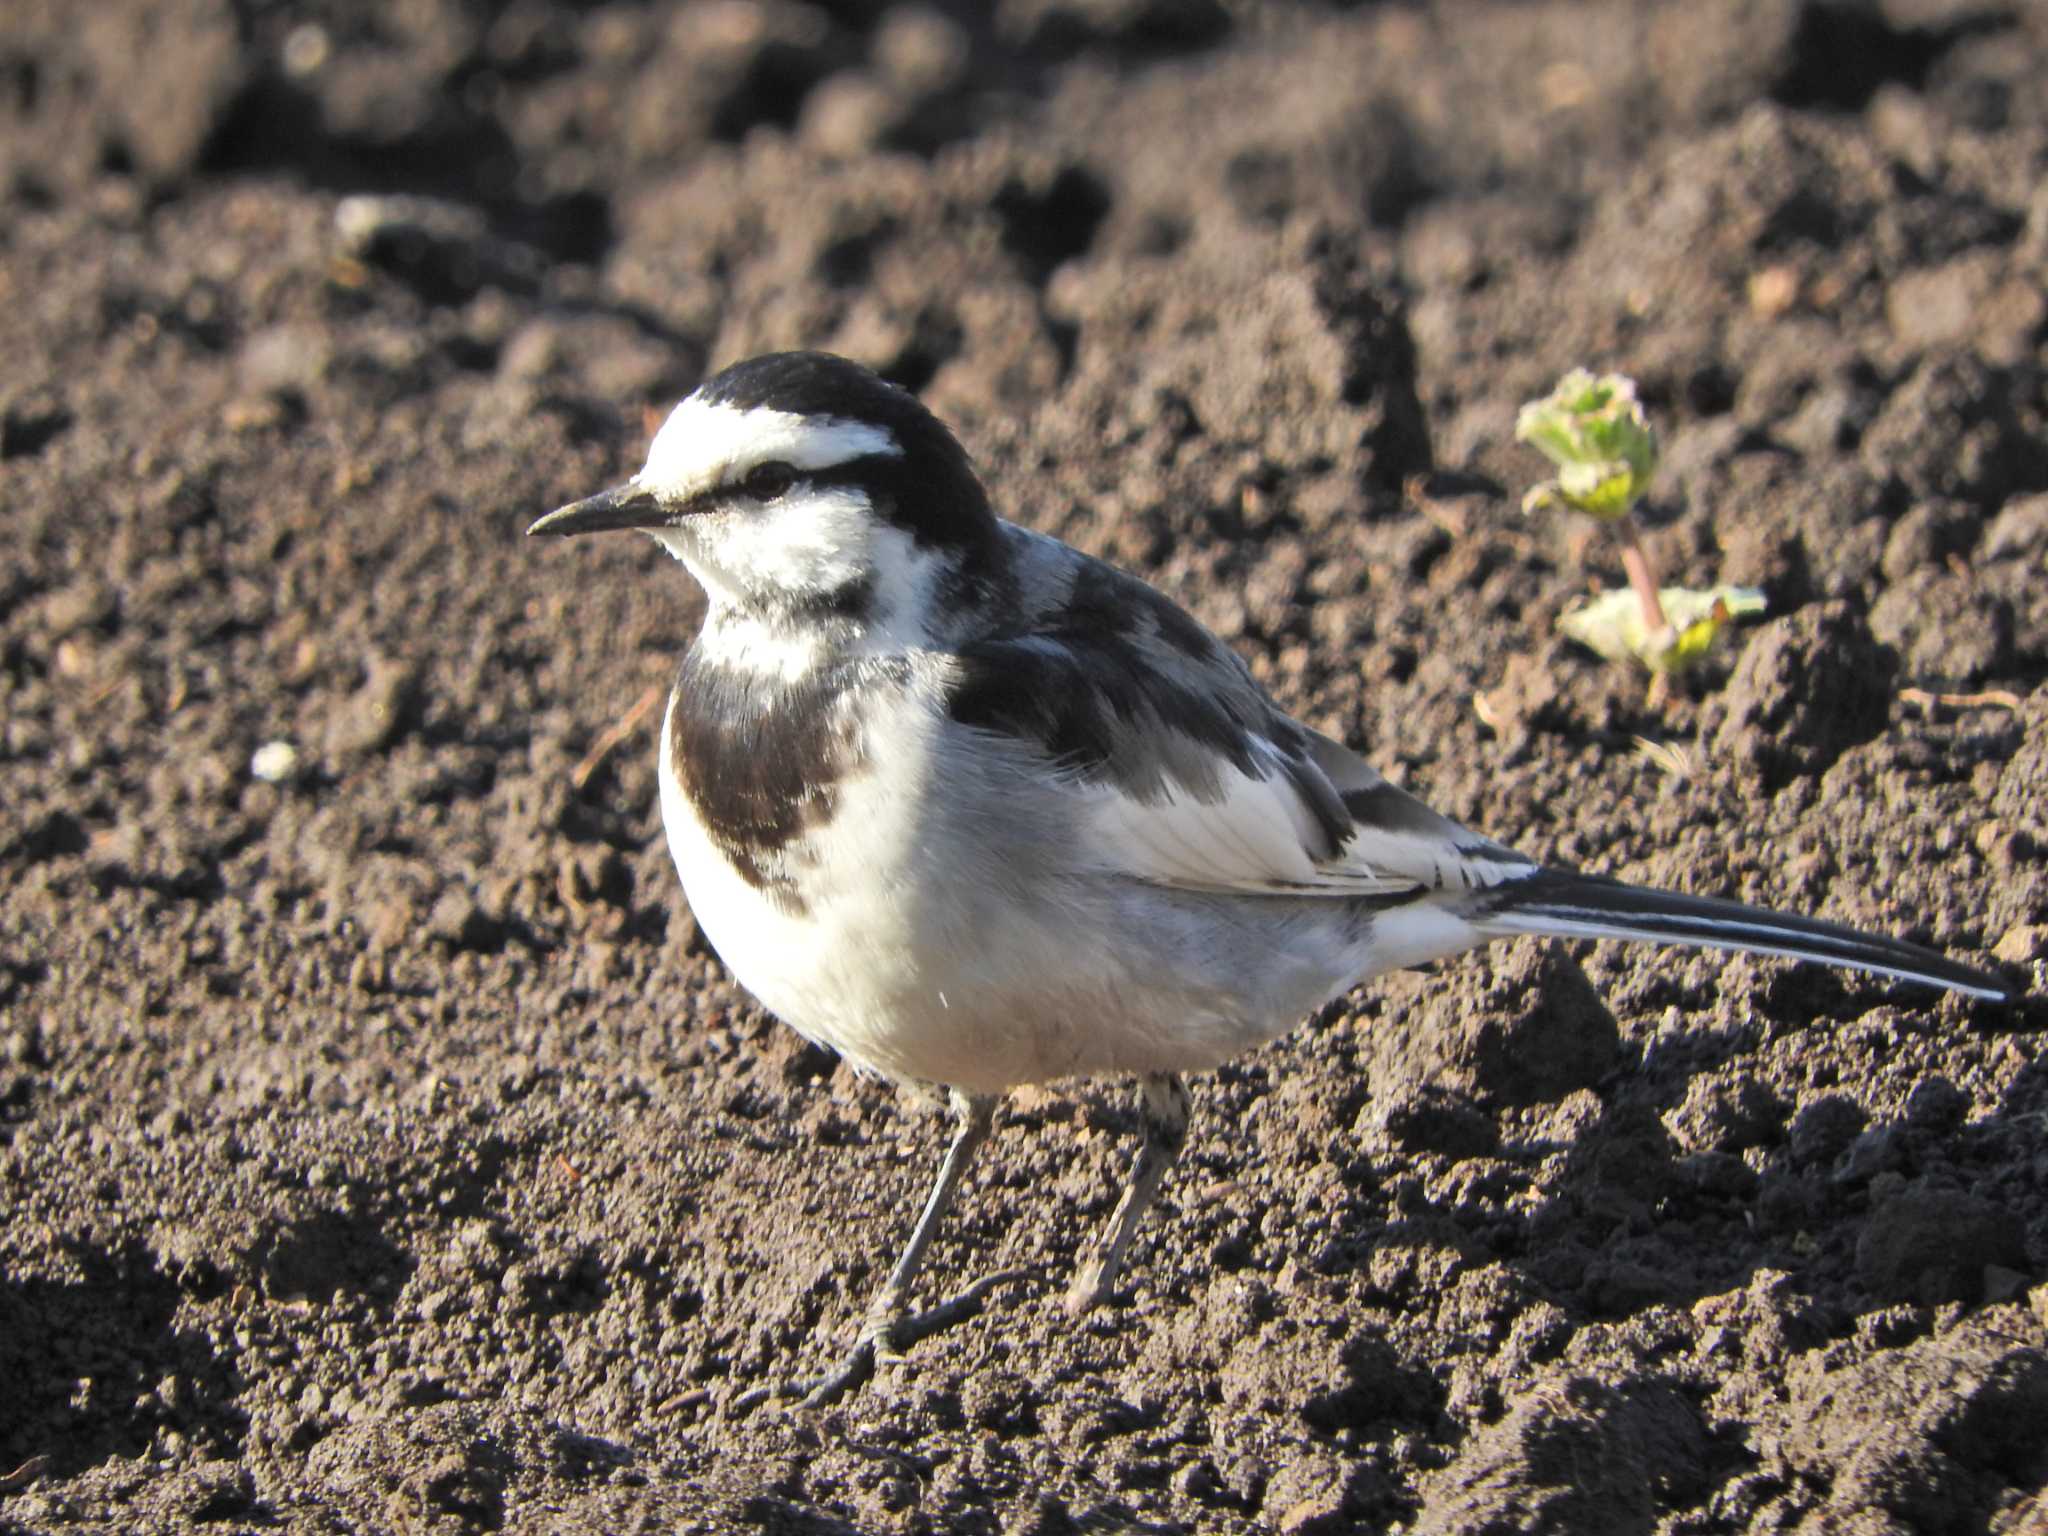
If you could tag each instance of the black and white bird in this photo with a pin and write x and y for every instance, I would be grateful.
(976, 810)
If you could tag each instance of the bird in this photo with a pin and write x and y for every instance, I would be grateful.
(976, 810)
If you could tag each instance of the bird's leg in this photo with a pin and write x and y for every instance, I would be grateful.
(1163, 1109)
(890, 1327)
(972, 1115)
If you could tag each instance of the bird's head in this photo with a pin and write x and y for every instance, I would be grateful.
(800, 482)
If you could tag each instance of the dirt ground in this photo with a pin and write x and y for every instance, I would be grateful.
(381, 1149)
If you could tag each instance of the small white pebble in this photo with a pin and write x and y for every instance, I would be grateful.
(275, 762)
(306, 50)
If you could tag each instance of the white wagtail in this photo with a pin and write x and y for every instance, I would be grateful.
(976, 810)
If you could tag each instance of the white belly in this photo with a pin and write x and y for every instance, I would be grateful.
(937, 942)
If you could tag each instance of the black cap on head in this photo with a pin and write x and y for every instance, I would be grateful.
(810, 384)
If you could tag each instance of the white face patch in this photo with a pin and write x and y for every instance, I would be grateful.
(812, 540)
(819, 542)
(703, 445)
(816, 543)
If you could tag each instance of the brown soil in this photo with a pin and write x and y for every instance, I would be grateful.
(382, 1149)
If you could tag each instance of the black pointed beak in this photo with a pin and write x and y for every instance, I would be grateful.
(623, 506)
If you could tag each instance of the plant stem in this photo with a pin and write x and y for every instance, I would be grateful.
(1636, 562)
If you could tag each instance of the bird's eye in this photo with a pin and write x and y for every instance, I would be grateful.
(767, 482)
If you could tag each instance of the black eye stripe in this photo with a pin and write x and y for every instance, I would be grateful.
(931, 493)
(766, 482)
(773, 479)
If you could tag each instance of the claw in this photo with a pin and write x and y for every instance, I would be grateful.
(1090, 1290)
(881, 1342)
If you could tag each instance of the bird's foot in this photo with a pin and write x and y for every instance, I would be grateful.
(882, 1340)
(1091, 1287)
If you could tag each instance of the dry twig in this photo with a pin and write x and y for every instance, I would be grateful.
(1995, 698)
(626, 726)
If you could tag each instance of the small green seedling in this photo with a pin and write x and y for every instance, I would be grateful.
(1596, 433)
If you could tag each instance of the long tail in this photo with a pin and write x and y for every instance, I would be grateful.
(1564, 905)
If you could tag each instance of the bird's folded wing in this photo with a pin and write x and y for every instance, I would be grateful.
(1261, 832)
(1184, 774)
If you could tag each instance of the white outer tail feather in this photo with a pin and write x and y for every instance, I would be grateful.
(1553, 904)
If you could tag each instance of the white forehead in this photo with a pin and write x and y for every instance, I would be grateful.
(704, 443)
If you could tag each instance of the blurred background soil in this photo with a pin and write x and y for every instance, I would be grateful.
(382, 1149)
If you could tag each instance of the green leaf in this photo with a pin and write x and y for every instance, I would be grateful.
(1595, 432)
(1612, 624)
